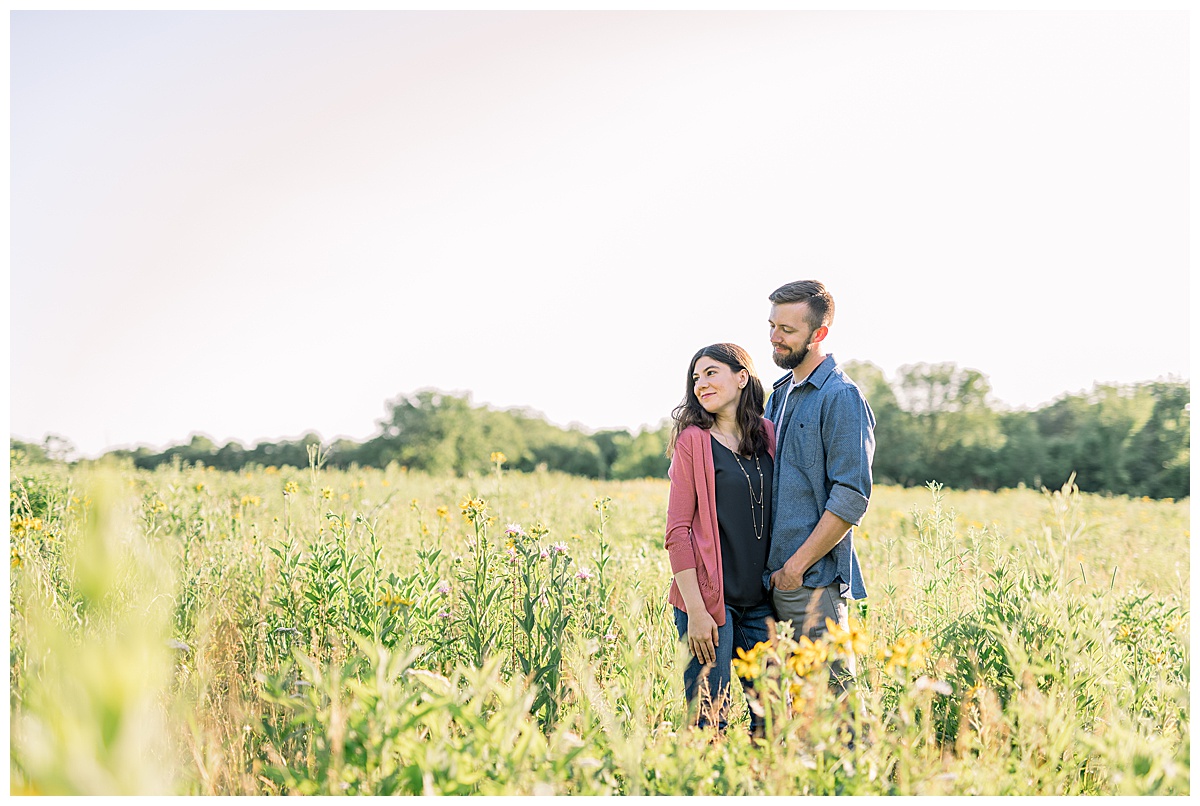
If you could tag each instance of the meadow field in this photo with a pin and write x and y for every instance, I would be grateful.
(310, 631)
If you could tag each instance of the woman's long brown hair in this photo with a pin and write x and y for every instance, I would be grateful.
(749, 408)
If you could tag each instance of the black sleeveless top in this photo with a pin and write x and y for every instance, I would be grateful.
(740, 520)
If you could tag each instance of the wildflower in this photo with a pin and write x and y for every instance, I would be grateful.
(394, 601)
(853, 640)
(924, 683)
(270, 470)
(200, 487)
(514, 529)
(443, 614)
(583, 574)
(473, 508)
(345, 496)
(544, 554)
(908, 652)
(291, 488)
(806, 657)
(610, 636)
(512, 555)
(15, 557)
(748, 665)
(443, 588)
(443, 512)
(498, 458)
(559, 548)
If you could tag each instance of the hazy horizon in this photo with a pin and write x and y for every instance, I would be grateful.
(532, 410)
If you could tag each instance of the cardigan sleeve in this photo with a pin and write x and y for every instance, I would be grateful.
(681, 507)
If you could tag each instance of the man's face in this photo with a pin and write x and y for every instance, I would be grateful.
(790, 334)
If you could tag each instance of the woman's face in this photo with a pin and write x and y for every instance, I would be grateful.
(717, 386)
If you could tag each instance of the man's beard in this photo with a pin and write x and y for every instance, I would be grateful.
(790, 360)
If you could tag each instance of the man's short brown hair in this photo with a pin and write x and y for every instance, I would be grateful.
(819, 307)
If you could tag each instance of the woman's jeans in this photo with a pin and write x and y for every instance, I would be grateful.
(708, 687)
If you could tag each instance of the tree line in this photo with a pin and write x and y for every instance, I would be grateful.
(933, 422)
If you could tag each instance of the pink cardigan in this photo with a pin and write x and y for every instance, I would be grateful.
(693, 539)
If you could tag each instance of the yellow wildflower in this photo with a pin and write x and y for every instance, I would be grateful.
(746, 665)
(908, 652)
(807, 657)
(854, 640)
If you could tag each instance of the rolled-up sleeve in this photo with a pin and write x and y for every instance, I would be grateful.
(848, 431)
(681, 509)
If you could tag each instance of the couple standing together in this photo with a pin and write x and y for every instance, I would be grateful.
(762, 509)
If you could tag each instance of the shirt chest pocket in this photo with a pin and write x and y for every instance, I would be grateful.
(804, 442)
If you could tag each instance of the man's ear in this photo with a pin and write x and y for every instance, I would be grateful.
(819, 335)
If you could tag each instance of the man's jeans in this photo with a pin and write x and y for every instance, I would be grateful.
(807, 609)
(708, 687)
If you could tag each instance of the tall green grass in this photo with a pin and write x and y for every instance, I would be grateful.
(185, 631)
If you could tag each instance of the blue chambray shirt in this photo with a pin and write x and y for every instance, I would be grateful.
(825, 433)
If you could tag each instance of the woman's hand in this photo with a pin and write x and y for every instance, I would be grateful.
(702, 636)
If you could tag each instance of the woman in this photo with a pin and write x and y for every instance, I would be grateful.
(719, 521)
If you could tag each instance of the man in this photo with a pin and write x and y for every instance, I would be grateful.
(825, 436)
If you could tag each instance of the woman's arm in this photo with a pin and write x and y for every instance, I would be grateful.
(682, 502)
(681, 511)
(702, 629)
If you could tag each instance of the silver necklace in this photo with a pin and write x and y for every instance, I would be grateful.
(760, 524)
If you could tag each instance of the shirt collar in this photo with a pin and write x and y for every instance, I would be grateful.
(816, 377)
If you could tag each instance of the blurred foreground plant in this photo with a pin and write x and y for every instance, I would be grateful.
(89, 714)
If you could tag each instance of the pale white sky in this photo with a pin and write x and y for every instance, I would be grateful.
(255, 224)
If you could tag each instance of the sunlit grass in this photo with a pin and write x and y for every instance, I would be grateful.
(378, 631)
